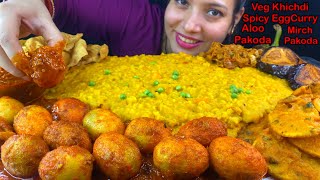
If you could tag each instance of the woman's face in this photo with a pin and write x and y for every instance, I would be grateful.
(192, 25)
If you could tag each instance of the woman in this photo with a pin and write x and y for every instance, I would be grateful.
(129, 27)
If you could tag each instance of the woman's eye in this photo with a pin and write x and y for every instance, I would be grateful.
(182, 2)
(213, 12)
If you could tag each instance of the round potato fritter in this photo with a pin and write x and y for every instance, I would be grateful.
(69, 109)
(66, 162)
(64, 133)
(98, 121)
(233, 158)
(21, 154)
(117, 156)
(146, 133)
(203, 130)
(181, 158)
(9, 107)
(33, 120)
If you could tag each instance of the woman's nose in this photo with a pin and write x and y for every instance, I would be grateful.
(192, 23)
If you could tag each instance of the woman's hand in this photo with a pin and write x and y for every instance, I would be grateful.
(18, 19)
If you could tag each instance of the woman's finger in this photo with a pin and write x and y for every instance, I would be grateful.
(7, 65)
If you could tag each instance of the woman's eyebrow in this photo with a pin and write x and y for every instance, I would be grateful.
(218, 5)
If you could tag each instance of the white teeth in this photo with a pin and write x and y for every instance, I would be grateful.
(187, 40)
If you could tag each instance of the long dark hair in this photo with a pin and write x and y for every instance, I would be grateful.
(162, 3)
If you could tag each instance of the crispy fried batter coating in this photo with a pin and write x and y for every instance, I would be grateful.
(146, 133)
(98, 121)
(310, 145)
(45, 66)
(21, 154)
(117, 156)
(285, 161)
(296, 115)
(33, 120)
(69, 109)
(233, 158)
(64, 133)
(203, 130)
(66, 162)
(181, 158)
(9, 107)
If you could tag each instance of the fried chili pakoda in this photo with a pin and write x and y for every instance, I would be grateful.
(180, 158)
(32, 120)
(146, 133)
(69, 109)
(21, 155)
(117, 156)
(45, 66)
(64, 133)
(233, 158)
(66, 162)
(285, 161)
(99, 121)
(203, 130)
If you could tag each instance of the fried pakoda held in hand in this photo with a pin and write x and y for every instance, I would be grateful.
(32, 120)
(21, 154)
(233, 158)
(66, 162)
(117, 156)
(69, 109)
(181, 158)
(146, 133)
(99, 121)
(203, 130)
(45, 66)
(64, 133)
(9, 107)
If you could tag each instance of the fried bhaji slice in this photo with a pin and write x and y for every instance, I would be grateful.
(45, 66)
(284, 160)
(310, 145)
(295, 117)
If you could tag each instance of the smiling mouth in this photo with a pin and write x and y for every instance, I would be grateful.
(190, 41)
(185, 42)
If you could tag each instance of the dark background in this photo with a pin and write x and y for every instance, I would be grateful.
(302, 50)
